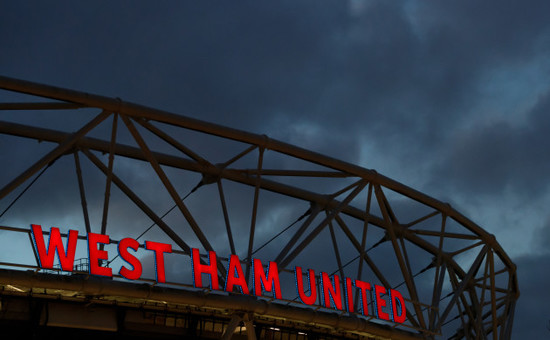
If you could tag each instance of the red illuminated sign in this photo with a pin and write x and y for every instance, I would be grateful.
(335, 293)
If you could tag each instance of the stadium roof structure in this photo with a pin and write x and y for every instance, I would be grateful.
(247, 194)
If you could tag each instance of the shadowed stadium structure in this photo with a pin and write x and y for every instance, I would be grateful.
(122, 169)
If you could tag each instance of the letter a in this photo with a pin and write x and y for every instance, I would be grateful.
(235, 276)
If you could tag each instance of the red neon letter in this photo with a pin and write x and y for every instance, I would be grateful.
(349, 295)
(95, 254)
(159, 249)
(123, 246)
(270, 283)
(199, 269)
(378, 291)
(395, 298)
(235, 276)
(363, 287)
(331, 293)
(308, 300)
(47, 257)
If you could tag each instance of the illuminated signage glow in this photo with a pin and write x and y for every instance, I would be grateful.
(334, 293)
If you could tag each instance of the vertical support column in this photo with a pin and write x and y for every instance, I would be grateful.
(405, 270)
(232, 326)
(254, 214)
(82, 193)
(491, 259)
(250, 331)
(336, 251)
(438, 279)
(109, 177)
(483, 290)
(364, 239)
(226, 217)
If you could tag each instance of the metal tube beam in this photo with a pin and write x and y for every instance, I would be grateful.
(465, 281)
(407, 275)
(168, 139)
(365, 257)
(226, 218)
(109, 176)
(322, 225)
(254, 215)
(314, 212)
(364, 239)
(132, 196)
(438, 278)
(336, 251)
(82, 192)
(167, 184)
(65, 145)
(39, 106)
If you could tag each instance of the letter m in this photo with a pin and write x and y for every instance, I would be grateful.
(46, 257)
(269, 283)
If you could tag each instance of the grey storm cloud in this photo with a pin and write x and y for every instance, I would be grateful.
(493, 158)
(450, 96)
(532, 321)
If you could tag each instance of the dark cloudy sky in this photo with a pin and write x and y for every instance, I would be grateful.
(449, 97)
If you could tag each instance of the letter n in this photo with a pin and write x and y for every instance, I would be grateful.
(331, 292)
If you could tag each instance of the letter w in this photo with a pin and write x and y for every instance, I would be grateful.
(55, 245)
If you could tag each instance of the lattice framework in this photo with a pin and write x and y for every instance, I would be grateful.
(472, 282)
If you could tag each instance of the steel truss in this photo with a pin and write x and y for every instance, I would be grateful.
(455, 277)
